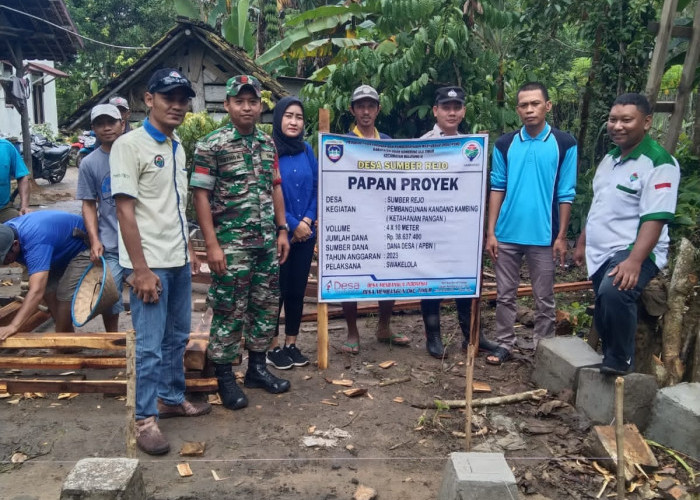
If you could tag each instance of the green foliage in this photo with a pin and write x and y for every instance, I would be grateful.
(577, 313)
(193, 128)
(687, 218)
(130, 23)
(45, 130)
(417, 46)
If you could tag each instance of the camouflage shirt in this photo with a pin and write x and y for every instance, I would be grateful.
(239, 171)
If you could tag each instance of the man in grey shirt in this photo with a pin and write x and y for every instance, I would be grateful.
(99, 209)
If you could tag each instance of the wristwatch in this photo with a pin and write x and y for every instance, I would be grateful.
(283, 227)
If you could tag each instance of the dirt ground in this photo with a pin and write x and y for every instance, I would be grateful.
(385, 443)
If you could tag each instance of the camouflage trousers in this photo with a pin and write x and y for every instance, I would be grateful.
(245, 302)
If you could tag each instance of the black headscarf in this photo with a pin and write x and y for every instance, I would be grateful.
(286, 146)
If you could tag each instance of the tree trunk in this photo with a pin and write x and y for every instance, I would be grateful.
(588, 92)
(682, 283)
(696, 127)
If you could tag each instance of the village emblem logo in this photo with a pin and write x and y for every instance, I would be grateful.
(334, 151)
(472, 150)
(159, 161)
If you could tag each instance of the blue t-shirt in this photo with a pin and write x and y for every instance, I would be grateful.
(537, 174)
(11, 166)
(299, 174)
(94, 183)
(46, 239)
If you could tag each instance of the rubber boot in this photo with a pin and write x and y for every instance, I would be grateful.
(258, 377)
(431, 319)
(232, 397)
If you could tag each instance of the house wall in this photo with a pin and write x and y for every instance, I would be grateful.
(10, 122)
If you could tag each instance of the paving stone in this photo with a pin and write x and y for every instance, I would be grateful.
(477, 476)
(558, 361)
(104, 479)
(595, 397)
(675, 418)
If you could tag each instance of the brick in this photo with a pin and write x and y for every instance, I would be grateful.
(477, 476)
(104, 479)
(199, 305)
(595, 397)
(558, 361)
(675, 418)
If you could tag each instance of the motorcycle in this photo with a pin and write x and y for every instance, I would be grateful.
(84, 146)
(49, 160)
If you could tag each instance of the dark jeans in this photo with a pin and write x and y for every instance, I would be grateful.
(430, 308)
(294, 274)
(616, 312)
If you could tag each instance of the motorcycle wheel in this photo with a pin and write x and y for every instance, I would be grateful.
(79, 159)
(58, 175)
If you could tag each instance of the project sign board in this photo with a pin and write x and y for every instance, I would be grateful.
(400, 219)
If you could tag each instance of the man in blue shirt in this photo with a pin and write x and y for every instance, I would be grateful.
(12, 166)
(533, 182)
(50, 245)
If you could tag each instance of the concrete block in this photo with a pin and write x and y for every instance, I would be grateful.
(675, 418)
(558, 360)
(595, 397)
(477, 476)
(104, 479)
(199, 305)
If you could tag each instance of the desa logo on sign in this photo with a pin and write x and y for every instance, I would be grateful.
(336, 285)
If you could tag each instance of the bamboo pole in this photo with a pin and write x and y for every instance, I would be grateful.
(620, 436)
(324, 125)
(131, 394)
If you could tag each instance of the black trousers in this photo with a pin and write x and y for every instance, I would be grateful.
(294, 275)
(430, 308)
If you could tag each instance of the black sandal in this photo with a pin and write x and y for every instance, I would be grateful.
(501, 354)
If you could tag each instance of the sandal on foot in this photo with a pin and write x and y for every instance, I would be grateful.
(501, 354)
(395, 339)
(350, 347)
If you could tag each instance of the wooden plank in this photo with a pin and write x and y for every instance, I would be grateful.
(196, 353)
(676, 31)
(364, 308)
(35, 320)
(658, 59)
(685, 86)
(61, 362)
(8, 312)
(116, 387)
(104, 341)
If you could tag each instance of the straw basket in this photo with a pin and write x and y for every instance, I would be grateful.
(96, 293)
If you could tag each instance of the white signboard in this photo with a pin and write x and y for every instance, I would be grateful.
(400, 219)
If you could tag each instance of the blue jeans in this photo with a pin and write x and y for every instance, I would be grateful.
(162, 331)
(615, 313)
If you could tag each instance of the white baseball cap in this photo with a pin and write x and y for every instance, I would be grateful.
(120, 102)
(105, 109)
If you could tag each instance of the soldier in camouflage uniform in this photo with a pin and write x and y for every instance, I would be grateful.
(240, 208)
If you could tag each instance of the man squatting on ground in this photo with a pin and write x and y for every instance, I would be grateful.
(149, 183)
(533, 183)
(625, 240)
(46, 243)
(12, 166)
(98, 208)
(365, 107)
(240, 209)
(448, 112)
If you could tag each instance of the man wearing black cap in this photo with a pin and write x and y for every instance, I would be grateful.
(365, 107)
(449, 112)
(149, 183)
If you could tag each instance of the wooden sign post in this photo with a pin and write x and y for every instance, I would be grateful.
(324, 125)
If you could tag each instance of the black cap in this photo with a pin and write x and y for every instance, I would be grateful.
(167, 79)
(449, 94)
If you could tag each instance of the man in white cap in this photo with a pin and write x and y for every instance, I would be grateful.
(364, 106)
(99, 208)
(123, 107)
